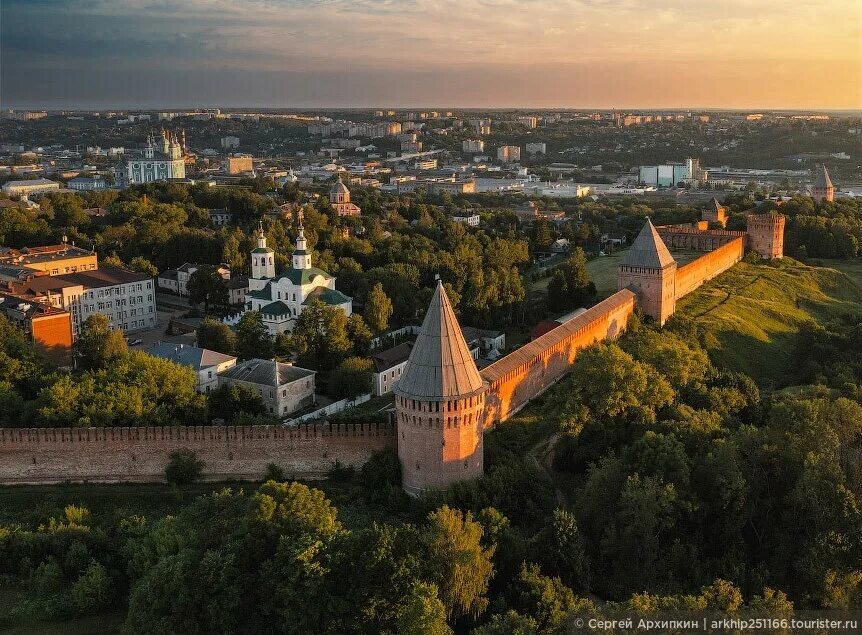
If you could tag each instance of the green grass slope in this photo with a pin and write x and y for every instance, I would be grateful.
(754, 311)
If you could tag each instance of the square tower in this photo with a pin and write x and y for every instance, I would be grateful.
(765, 234)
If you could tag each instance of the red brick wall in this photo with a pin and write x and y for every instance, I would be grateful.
(54, 455)
(527, 372)
(689, 277)
(53, 334)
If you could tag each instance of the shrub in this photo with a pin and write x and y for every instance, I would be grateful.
(273, 473)
(183, 467)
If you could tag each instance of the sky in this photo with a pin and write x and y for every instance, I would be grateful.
(431, 53)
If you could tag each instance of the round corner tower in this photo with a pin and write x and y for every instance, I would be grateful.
(650, 271)
(438, 405)
(765, 233)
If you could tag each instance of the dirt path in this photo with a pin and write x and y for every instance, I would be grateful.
(542, 456)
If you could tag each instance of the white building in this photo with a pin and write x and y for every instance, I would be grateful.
(389, 365)
(281, 298)
(472, 220)
(87, 183)
(28, 188)
(126, 298)
(207, 364)
(157, 162)
(537, 148)
(509, 154)
(283, 388)
(530, 121)
(229, 142)
(177, 280)
(473, 145)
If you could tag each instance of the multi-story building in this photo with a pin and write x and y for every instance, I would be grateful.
(529, 121)
(126, 298)
(238, 163)
(473, 145)
(46, 326)
(50, 259)
(472, 220)
(672, 174)
(509, 154)
(30, 187)
(283, 388)
(537, 148)
(207, 364)
(157, 162)
(229, 142)
(437, 186)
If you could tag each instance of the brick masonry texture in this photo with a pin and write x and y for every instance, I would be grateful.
(109, 455)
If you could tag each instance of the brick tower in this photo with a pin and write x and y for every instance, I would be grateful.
(438, 405)
(649, 270)
(822, 188)
(765, 234)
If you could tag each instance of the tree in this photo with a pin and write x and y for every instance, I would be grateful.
(378, 309)
(359, 334)
(510, 623)
(183, 468)
(351, 378)
(458, 563)
(252, 337)
(208, 287)
(423, 612)
(216, 336)
(98, 344)
(228, 401)
(142, 265)
(320, 336)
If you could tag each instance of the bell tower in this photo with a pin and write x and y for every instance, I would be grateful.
(262, 259)
(438, 405)
(301, 257)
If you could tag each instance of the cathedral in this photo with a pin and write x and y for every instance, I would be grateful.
(281, 298)
(158, 161)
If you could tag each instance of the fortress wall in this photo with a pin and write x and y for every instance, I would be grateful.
(686, 237)
(530, 370)
(689, 277)
(108, 455)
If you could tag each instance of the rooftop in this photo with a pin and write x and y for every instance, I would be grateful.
(440, 365)
(47, 253)
(384, 360)
(263, 372)
(197, 358)
(104, 277)
(648, 250)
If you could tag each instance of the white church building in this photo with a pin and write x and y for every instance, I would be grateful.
(281, 298)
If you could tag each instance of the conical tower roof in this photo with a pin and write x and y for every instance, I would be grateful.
(822, 179)
(440, 366)
(716, 205)
(648, 250)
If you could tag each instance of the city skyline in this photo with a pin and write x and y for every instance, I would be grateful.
(425, 53)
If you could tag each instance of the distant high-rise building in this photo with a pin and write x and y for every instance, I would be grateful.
(509, 154)
(822, 189)
(229, 142)
(473, 145)
(238, 163)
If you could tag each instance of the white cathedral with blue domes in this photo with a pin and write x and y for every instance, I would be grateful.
(281, 298)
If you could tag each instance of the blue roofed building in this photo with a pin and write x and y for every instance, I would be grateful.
(207, 364)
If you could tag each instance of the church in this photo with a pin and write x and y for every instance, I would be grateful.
(339, 199)
(157, 162)
(281, 298)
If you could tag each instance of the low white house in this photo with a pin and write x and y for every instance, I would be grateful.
(472, 220)
(388, 367)
(283, 388)
(177, 280)
(206, 363)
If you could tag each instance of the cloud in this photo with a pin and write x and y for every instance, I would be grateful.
(451, 39)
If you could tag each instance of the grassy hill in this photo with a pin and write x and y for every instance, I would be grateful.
(755, 310)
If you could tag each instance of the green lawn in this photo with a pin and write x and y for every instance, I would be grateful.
(754, 311)
(603, 270)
